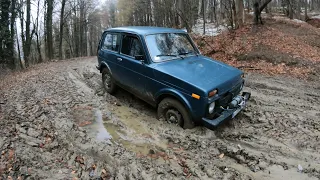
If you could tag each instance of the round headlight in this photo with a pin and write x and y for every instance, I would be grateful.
(211, 107)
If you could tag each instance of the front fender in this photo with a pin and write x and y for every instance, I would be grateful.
(178, 95)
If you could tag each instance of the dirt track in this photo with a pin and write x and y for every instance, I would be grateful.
(56, 124)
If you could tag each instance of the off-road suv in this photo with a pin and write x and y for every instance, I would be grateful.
(163, 67)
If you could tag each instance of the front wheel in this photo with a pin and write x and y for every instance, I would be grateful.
(174, 112)
(108, 82)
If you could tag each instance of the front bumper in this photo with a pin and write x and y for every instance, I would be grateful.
(227, 113)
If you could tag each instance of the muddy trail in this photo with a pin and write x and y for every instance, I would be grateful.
(57, 123)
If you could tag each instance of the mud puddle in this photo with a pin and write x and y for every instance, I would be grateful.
(121, 127)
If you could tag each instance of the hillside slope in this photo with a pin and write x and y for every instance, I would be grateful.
(280, 46)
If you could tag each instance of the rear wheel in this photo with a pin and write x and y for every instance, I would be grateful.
(108, 82)
(174, 112)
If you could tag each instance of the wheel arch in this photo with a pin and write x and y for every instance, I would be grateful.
(105, 65)
(170, 93)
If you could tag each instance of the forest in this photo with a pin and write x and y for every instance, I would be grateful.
(58, 122)
(35, 31)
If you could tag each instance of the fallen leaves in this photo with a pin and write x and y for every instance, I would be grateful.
(105, 174)
(82, 113)
(228, 46)
(84, 123)
(314, 22)
(10, 154)
(79, 160)
(47, 101)
(2, 167)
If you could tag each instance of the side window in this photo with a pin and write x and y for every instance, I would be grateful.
(111, 42)
(131, 46)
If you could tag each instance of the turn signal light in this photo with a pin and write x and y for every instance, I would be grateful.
(212, 93)
(196, 96)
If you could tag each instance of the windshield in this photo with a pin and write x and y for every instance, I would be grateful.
(168, 46)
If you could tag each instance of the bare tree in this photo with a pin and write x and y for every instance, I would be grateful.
(63, 3)
(258, 9)
(36, 25)
(240, 13)
(306, 10)
(27, 37)
(204, 16)
(49, 28)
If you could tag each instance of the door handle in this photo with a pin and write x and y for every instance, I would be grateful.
(119, 59)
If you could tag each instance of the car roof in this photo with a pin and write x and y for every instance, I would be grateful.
(144, 30)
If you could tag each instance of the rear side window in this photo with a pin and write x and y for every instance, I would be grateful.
(111, 42)
(131, 46)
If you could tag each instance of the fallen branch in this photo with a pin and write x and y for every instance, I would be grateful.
(248, 68)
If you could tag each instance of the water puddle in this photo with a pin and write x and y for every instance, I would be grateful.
(102, 133)
(132, 133)
(120, 125)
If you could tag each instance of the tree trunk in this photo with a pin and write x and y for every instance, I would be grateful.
(40, 60)
(306, 10)
(240, 13)
(19, 53)
(82, 29)
(4, 31)
(290, 10)
(27, 44)
(12, 30)
(298, 11)
(61, 27)
(258, 9)
(234, 15)
(49, 29)
(264, 5)
(214, 10)
(200, 7)
(204, 17)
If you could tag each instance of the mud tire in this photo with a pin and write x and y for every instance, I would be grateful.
(172, 105)
(110, 87)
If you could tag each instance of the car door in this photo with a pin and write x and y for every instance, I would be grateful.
(132, 70)
(109, 52)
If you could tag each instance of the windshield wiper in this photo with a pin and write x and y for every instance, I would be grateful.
(173, 55)
(185, 53)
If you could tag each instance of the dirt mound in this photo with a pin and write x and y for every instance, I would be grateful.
(281, 46)
(314, 22)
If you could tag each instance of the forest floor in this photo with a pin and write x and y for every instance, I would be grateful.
(56, 122)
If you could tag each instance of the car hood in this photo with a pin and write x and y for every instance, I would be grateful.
(202, 72)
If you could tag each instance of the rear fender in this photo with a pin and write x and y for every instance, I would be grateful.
(105, 65)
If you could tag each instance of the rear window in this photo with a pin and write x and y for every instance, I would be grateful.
(111, 42)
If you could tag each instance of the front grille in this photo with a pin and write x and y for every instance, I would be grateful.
(224, 100)
(227, 97)
(236, 90)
